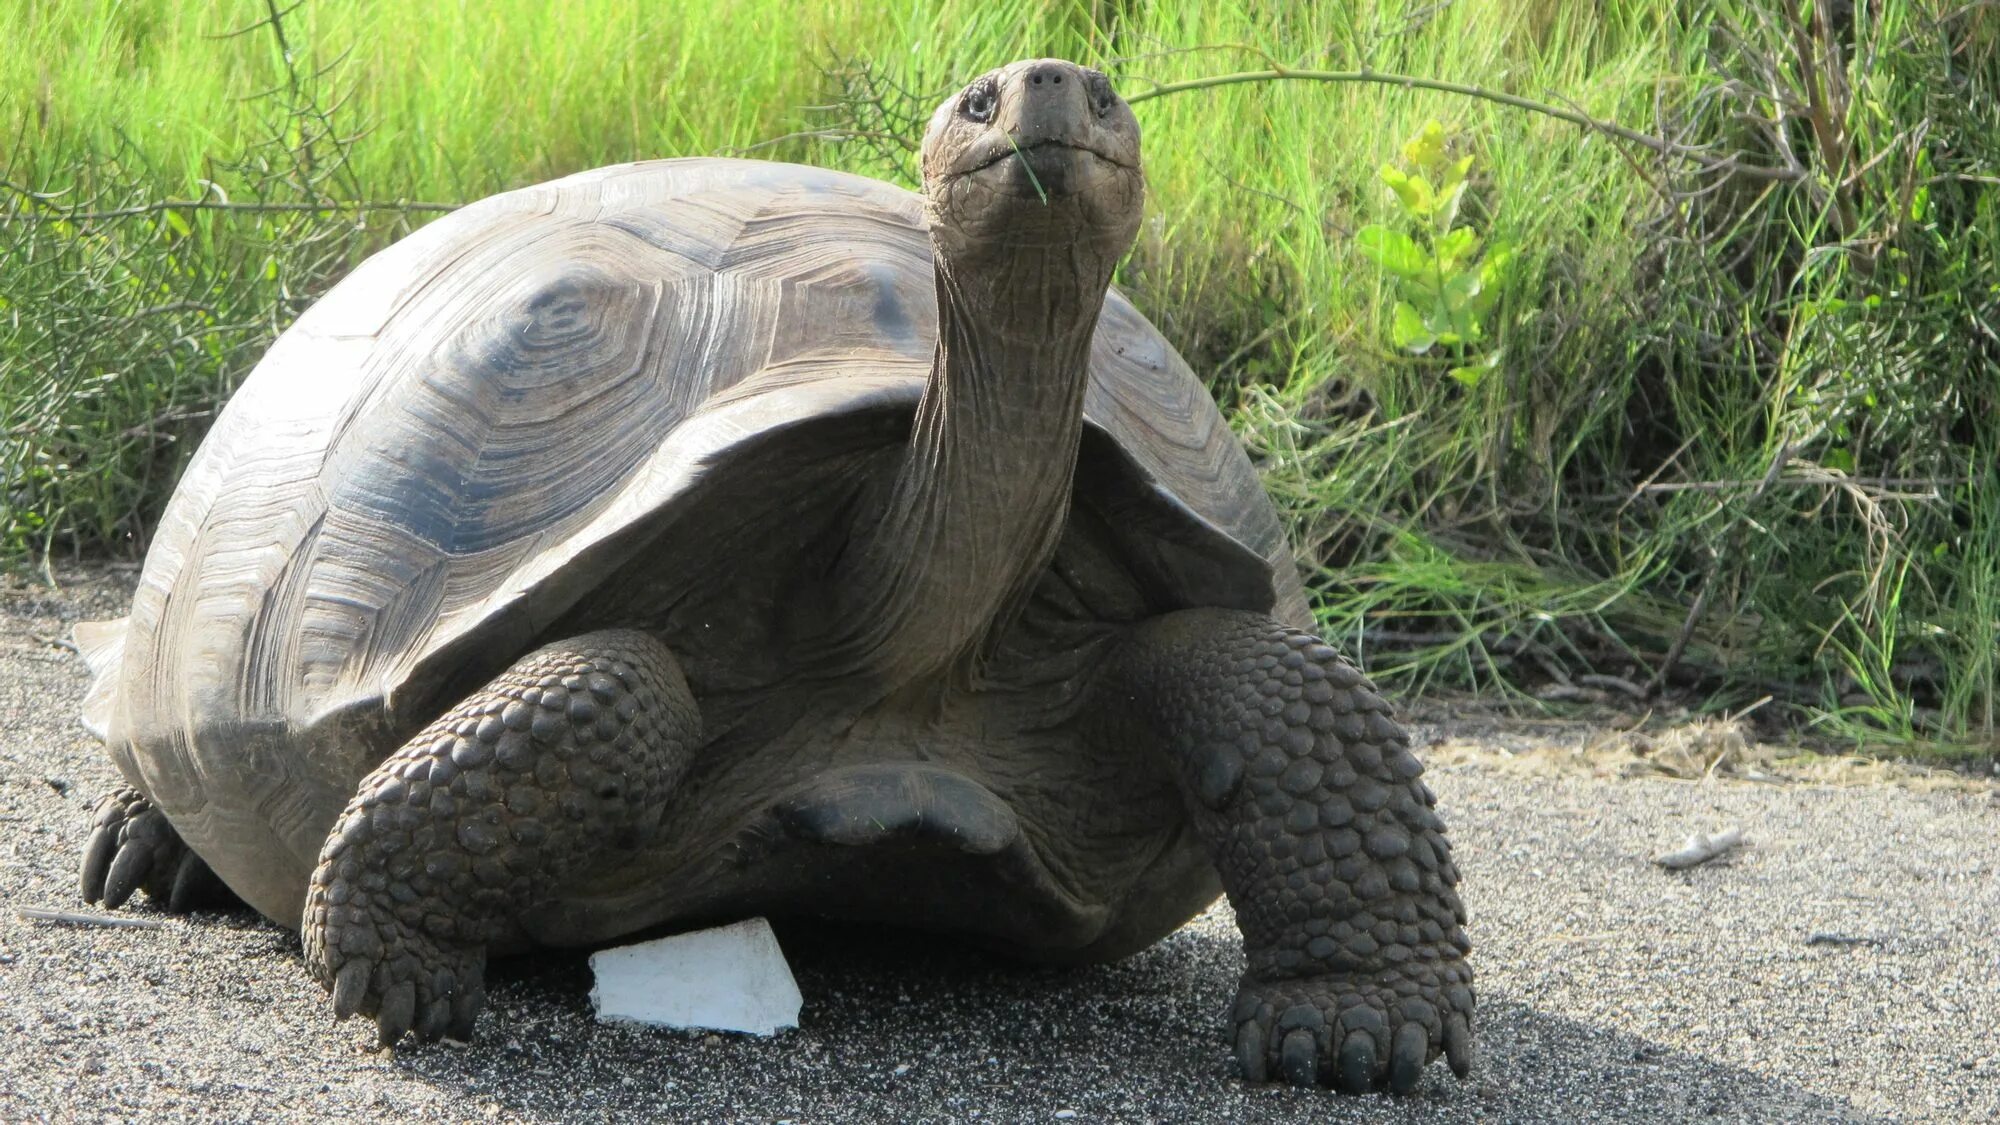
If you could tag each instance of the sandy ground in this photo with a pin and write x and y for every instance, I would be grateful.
(1610, 990)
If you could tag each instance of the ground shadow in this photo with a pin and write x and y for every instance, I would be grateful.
(903, 1027)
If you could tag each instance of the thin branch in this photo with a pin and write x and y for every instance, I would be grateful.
(1829, 480)
(248, 28)
(329, 206)
(1241, 186)
(71, 918)
(1700, 848)
(1409, 81)
(1700, 606)
(834, 135)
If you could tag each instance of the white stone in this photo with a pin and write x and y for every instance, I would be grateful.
(731, 978)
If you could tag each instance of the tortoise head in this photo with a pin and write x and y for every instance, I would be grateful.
(1039, 153)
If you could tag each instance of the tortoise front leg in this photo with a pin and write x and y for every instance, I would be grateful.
(1308, 798)
(569, 753)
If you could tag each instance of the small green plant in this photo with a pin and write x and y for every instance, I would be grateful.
(1445, 286)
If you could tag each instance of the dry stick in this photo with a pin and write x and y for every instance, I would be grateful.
(58, 216)
(1612, 683)
(816, 135)
(1686, 634)
(1932, 483)
(1659, 145)
(67, 918)
(1841, 939)
(1700, 849)
(1679, 648)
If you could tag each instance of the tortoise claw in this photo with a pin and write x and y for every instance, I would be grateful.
(1250, 1052)
(465, 1005)
(1457, 1045)
(97, 857)
(396, 1013)
(191, 881)
(435, 1018)
(129, 869)
(1357, 1063)
(1300, 1057)
(1407, 1057)
(350, 987)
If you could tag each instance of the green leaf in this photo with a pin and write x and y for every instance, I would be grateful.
(1392, 250)
(1414, 192)
(1456, 299)
(1446, 207)
(1492, 276)
(1455, 175)
(1409, 331)
(1470, 374)
(1426, 149)
(1454, 247)
(1458, 290)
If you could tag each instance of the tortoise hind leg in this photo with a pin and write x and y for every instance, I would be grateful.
(1307, 796)
(133, 847)
(566, 755)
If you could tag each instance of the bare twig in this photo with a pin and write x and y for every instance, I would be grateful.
(69, 918)
(834, 135)
(330, 206)
(250, 27)
(1699, 849)
(56, 642)
(1700, 605)
(1930, 485)
(1730, 165)
(1612, 683)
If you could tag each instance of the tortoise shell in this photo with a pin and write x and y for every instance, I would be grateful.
(524, 415)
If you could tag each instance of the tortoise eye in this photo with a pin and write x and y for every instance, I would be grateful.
(979, 101)
(1101, 96)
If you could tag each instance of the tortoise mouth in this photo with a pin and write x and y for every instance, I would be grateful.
(1044, 167)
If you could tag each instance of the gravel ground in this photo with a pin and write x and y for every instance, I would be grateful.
(1609, 990)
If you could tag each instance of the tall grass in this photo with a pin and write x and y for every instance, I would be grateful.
(1742, 436)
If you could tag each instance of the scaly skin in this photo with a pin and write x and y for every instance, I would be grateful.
(568, 754)
(1305, 791)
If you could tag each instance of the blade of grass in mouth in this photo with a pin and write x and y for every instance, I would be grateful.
(1032, 178)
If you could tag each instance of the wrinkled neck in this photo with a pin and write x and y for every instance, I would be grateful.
(982, 493)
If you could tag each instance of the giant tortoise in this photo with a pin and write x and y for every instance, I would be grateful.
(697, 539)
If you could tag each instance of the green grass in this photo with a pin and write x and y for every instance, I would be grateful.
(1661, 352)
